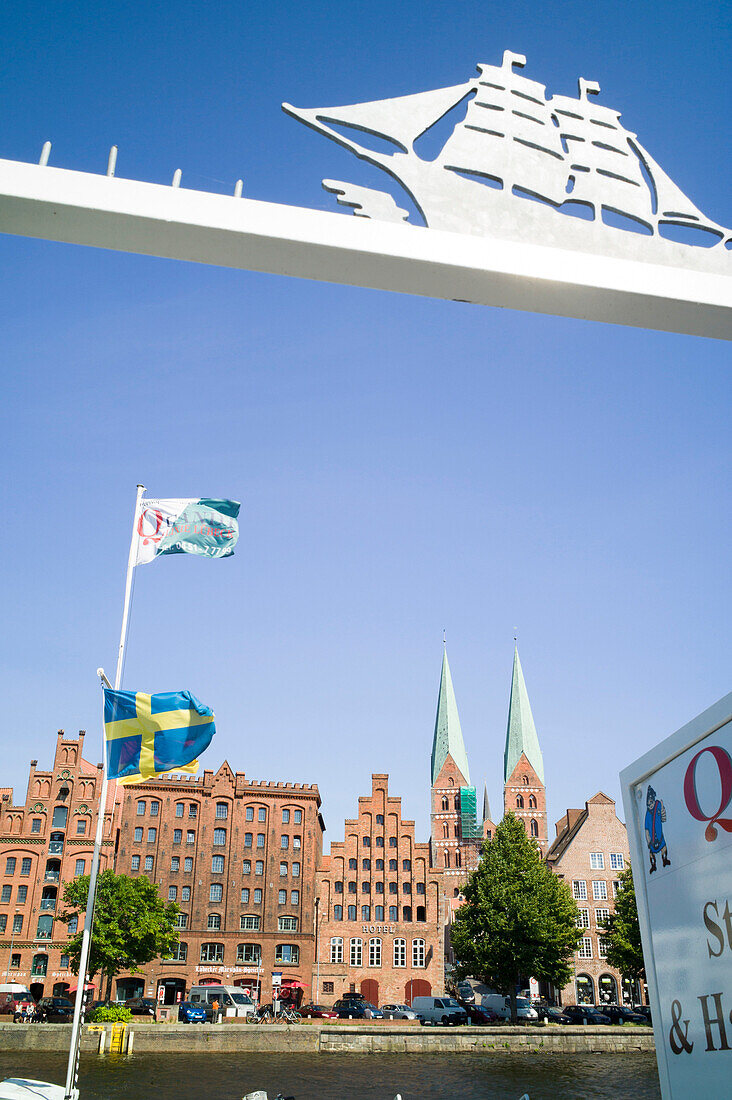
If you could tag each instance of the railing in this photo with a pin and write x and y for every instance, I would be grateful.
(48, 903)
(51, 876)
(43, 934)
(55, 847)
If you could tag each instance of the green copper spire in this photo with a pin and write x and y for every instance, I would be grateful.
(448, 739)
(521, 732)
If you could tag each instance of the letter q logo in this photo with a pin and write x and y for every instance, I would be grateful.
(691, 797)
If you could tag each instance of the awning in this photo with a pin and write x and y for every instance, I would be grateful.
(87, 987)
(293, 983)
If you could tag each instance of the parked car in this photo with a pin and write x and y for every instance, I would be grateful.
(188, 1013)
(55, 1010)
(353, 997)
(552, 1015)
(586, 1014)
(645, 1011)
(439, 1010)
(232, 1001)
(357, 1010)
(141, 1006)
(399, 1012)
(501, 1005)
(621, 1015)
(466, 993)
(13, 997)
(481, 1016)
(318, 1012)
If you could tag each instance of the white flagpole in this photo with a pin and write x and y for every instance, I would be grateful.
(72, 1070)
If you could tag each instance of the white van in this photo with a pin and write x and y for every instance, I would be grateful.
(439, 1010)
(501, 1005)
(231, 1000)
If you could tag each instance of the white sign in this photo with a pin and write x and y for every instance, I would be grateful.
(678, 805)
(276, 978)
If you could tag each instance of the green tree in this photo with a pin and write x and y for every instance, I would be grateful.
(518, 919)
(132, 924)
(622, 932)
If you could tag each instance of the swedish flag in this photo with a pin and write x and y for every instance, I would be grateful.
(148, 735)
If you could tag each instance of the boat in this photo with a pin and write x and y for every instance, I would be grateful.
(514, 164)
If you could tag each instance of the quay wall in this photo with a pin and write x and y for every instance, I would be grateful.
(325, 1039)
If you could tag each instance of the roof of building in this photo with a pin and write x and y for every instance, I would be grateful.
(448, 738)
(521, 733)
(486, 805)
(573, 821)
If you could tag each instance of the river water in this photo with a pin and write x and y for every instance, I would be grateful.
(489, 1076)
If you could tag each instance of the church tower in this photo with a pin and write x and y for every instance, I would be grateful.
(524, 793)
(456, 832)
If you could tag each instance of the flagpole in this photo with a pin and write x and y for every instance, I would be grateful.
(72, 1070)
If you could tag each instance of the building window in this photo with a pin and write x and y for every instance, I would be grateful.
(351, 912)
(262, 814)
(599, 890)
(5, 895)
(379, 819)
(283, 870)
(525, 780)
(141, 807)
(379, 887)
(154, 809)
(379, 842)
(446, 858)
(579, 890)
(135, 863)
(378, 912)
(392, 865)
(375, 952)
(366, 864)
(245, 896)
(393, 888)
(18, 925)
(328, 987)
(356, 952)
(287, 953)
(177, 836)
(179, 809)
(294, 897)
(351, 887)
(406, 887)
(298, 817)
(60, 815)
(257, 897)
(285, 817)
(420, 888)
(15, 961)
(79, 867)
(366, 841)
(81, 826)
(250, 813)
(534, 828)
(393, 912)
(284, 841)
(406, 865)
(248, 838)
(36, 825)
(214, 922)
(22, 895)
(250, 923)
(392, 842)
(532, 802)
(365, 887)
(222, 810)
(259, 867)
(174, 863)
(353, 864)
(185, 893)
(10, 863)
(338, 887)
(73, 926)
(365, 912)
(187, 863)
(249, 953)
(25, 865)
(617, 862)
(296, 870)
(193, 810)
(418, 953)
(216, 892)
(400, 952)
(172, 893)
(337, 912)
(64, 963)
(583, 918)
(585, 948)
(282, 897)
(219, 838)
(152, 835)
(597, 861)
(217, 865)
(602, 945)
(616, 888)
(246, 867)
(212, 952)
(602, 916)
(190, 836)
(519, 801)
(179, 953)
(287, 924)
(138, 835)
(148, 863)
(297, 842)
(421, 913)
(336, 949)
(445, 804)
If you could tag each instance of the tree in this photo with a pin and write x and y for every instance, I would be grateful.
(518, 918)
(132, 924)
(622, 932)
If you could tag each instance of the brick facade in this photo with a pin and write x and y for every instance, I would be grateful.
(381, 927)
(44, 843)
(524, 795)
(589, 852)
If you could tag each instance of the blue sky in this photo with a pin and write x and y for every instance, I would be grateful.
(404, 465)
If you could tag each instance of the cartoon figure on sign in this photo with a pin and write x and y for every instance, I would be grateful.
(655, 817)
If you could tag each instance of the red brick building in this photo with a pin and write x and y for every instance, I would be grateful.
(45, 842)
(590, 851)
(239, 858)
(524, 793)
(382, 919)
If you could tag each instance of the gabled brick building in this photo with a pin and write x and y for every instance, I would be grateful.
(524, 792)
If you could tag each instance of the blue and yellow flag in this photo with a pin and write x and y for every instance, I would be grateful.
(148, 735)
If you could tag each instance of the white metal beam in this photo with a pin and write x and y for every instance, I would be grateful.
(172, 222)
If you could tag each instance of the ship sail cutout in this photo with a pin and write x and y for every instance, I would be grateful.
(559, 150)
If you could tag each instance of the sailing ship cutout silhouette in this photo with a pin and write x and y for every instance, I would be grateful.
(516, 165)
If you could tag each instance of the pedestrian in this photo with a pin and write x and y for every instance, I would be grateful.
(215, 1011)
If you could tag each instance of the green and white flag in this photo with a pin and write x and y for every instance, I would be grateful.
(197, 525)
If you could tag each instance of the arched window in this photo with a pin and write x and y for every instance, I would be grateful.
(179, 953)
(532, 802)
(336, 949)
(356, 955)
(458, 859)
(249, 953)
(400, 952)
(214, 922)
(337, 912)
(418, 953)
(451, 782)
(534, 828)
(457, 801)
(520, 801)
(39, 966)
(375, 952)
(407, 913)
(456, 830)
(217, 865)
(447, 858)
(212, 952)
(222, 810)
(525, 780)
(445, 802)
(445, 829)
